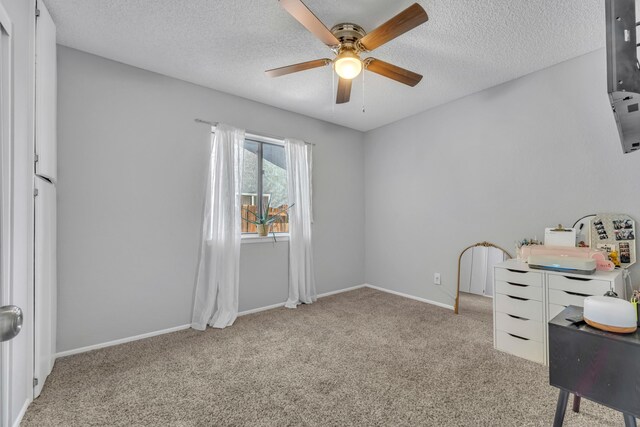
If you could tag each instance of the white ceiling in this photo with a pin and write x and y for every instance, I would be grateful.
(466, 46)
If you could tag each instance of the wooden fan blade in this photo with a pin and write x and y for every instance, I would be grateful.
(392, 71)
(277, 72)
(406, 20)
(344, 91)
(303, 15)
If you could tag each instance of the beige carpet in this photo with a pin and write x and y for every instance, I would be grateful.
(358, 358)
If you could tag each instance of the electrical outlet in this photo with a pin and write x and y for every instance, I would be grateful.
(436, 278)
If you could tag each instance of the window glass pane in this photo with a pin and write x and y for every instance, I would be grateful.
(250, 186)
(274, 185)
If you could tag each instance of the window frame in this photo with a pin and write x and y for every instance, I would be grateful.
(261, 141)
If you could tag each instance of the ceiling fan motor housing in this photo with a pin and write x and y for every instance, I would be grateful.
(348, 34)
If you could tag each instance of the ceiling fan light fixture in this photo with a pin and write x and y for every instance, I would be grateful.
(348, 65)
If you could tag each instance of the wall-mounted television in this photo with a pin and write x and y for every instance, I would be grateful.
(623, 71)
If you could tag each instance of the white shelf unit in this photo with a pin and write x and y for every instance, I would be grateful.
(526, 299)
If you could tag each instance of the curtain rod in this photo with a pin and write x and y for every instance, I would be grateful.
(251, 133)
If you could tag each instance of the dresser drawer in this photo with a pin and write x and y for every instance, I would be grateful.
(516, 306)
(521, 347)
(530, 278)
(518, 290)
(525, 328)
(554, 310)
(579, 285)
(566, 298)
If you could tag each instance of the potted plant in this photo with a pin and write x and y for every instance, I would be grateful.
(263, 222)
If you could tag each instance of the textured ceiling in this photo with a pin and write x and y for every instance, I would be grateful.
(466, 46)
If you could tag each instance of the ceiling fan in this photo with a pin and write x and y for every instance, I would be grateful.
(348, 41)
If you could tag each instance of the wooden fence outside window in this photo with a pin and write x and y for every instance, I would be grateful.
(281, 225)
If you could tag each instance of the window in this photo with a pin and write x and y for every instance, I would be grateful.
(264, 183)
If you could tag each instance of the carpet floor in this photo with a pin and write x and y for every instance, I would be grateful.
(358, 358)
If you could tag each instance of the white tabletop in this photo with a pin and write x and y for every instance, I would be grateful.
(523, 266)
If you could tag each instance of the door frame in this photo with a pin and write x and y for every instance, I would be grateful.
(6, 199)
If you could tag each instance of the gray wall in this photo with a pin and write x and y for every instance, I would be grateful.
(131, 175)
(499, 165)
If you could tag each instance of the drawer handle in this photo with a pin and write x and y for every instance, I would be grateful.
(517, 271)
(518, 298)
(577, 294)
(518, 284)
(519, 337)
(517, 317)
(579, 279)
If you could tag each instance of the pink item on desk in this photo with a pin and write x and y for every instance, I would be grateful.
(601, 257)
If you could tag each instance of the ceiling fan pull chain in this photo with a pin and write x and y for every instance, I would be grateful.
(333, 89)
(363, 73)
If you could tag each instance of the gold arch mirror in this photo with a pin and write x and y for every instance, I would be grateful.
(489, 255)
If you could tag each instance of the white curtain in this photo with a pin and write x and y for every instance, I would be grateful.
(216, 296)
(302, 287)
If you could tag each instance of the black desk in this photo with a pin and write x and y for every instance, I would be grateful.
(594, 364)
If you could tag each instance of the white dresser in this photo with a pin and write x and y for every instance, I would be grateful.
(526, 299)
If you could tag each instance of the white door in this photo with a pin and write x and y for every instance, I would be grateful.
(45, 201)
(8, 315)
(45, 281)
(494, 256)
(46, 95)
(478, 270)
(465, 271)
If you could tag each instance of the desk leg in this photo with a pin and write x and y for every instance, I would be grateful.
(561, 408)
(576, 403)
(629, 420)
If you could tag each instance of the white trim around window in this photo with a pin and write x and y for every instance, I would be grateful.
(250, 238)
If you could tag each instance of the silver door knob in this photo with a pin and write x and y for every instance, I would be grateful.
(10, 322)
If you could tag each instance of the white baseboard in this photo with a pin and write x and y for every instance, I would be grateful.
(439, 304)
(242, 313)
(281, 304)
(339, 291)
(259, 309)
(23, 411)
(121, 341)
